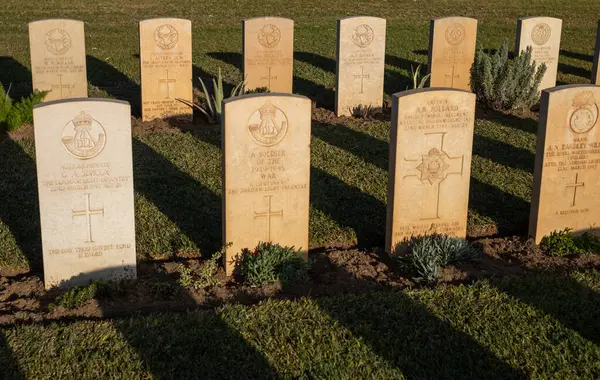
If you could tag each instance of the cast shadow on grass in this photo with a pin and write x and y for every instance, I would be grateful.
(9, 368)
(575, 55)
(349, 207)
(16, 76)
(404, 333)
(324, 63)
(395, 81)
(525, 123)
(231, 58)
(195, 209)
(509, 213)
(118, 85)
(503, 153)
(320, 95)
(19, 208)
(573, 70)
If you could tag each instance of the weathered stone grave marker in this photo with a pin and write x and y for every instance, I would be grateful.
(85, 185)
(430, 164)
(266, 163)
(543, 35)
(596, 65)
(268, 53)
(360, 63)
(57, 49)
(566, 175)
(452, 43)
(166, 67)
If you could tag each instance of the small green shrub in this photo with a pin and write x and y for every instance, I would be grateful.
(564, 243)
(258, 90)
(504, 84)
(269, 263)
(364, 111)
(419, 80)
(213, 103)
(429, 254)
(77, 296)
(206, 276)
(14, 114)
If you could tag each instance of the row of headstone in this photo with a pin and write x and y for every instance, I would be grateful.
(58, 58)
(85, 175)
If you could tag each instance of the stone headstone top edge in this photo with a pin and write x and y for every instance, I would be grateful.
(73, 100)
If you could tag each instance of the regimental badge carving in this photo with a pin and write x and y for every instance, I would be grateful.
(455, 34)
(269, 36)
(363, 36)
(268, 125)
(583, 114)
(166, 37)
(541, 33)
(57, 41)
(84, 137)
(433, 166)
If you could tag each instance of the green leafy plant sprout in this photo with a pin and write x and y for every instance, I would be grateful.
(212, 109)
(206, 276)
(428, 254)
(269, 263)
(419, 80)
(564, 243)
(364, 111)
(14, 114)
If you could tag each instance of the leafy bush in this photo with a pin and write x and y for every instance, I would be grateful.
(212, 108)
(77, 296)
(564, 243)
(504, 84)
(429, 254)
(363, 111)
(269, 263)
(206, 277)
(14, 115)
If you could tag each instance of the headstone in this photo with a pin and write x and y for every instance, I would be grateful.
(567, 162)
(166, 67)
(543, 35)
(266, 163)
(57, 49)
(268, 53)
(452, 42)
(596, 65)
(85, 185)
(360, 63)
(430, 164)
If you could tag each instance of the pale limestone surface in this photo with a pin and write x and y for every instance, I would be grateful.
(268, 44)
(85, 185)
(543, 35)
(452, 43)
(430, 164)
(57, 49)
(266, 171)
(567, 162)
(166, 68)
(360, 63)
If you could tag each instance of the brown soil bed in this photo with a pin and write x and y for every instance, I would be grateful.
(333, 271)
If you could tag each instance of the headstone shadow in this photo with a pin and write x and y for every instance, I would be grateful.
(503, 153)
(231, 58)
(525, 123)
(323, 97)
(118, 85)
(19, 208)
(395, 81)
(15, 76)
(403, 332)
(576, 55)
(316, 60)
(9, 368)
(195, 209)
(572, 70)
(349, 207)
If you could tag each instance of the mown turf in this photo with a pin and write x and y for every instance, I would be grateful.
(177, 176)
(537, 326)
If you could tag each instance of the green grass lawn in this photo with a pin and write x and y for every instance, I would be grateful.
(177, 175)
(537, 326)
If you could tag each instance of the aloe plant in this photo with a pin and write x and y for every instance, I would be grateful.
(212, 110)
(415, 76)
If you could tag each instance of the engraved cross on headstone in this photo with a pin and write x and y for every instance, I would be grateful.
(88, 212)
(268, 214)
(452, 76)
(168, 82)
(269, 77)
(575, 185)
(435, 165)
(362, 77)
(60, 86)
